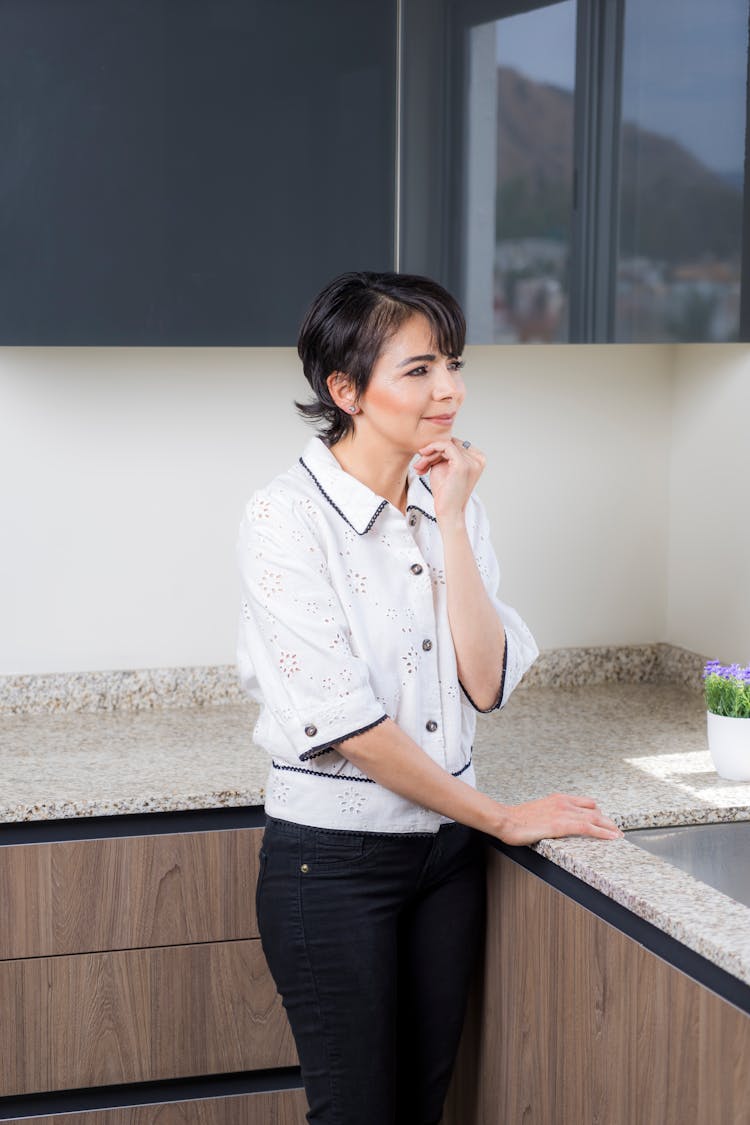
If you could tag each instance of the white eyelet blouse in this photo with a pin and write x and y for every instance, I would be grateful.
(344, 623)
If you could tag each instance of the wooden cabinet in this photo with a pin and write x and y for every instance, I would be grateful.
(130, 892)
(137, 959)
(574, 1021)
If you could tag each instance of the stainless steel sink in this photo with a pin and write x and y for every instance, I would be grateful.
(717, 854)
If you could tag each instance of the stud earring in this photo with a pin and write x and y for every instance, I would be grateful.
(353, 409)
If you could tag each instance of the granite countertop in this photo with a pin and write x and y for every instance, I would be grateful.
(638, 748)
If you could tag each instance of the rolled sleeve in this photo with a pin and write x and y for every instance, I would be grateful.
(520, 647)
(294, 648)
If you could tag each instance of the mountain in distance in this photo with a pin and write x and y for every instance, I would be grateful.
(672, 207)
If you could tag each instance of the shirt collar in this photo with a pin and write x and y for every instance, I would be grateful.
(357, 504)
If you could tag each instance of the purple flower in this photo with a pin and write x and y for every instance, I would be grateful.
(727, 671)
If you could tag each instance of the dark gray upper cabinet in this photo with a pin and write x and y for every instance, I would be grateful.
(189, 173)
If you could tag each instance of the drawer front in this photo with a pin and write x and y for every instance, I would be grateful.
(285, 1107)
(128, 893)
(139, 1015)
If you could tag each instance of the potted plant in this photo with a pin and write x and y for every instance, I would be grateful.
(727, 690)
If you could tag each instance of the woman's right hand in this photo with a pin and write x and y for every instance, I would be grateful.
(560, 814)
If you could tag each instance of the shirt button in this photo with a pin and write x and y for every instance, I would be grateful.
(427, 645)
(431, 726)
(311, 731)
(416, 568)
(412, 521)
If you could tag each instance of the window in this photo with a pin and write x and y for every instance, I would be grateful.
(574, 169)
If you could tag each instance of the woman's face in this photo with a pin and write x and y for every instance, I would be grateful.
(414, 392)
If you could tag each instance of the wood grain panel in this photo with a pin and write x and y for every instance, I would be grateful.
(132, 892)
(287, 1107)
(139, 1015)
(577, 1023)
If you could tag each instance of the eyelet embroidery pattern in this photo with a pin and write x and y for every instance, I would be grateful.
(280, 789)
(357, 582)
(271, 583)
(407, 617)
(351, 800)
(411, 660)
(288, 664)
(260, 508)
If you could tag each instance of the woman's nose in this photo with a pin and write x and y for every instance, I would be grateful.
(446, 384)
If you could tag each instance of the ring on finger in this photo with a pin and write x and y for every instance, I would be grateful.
(466, 444)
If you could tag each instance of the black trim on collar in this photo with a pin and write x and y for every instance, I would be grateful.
(424, 482)
(383, 504)
(499, 701)
(316, 751)
(416, 508)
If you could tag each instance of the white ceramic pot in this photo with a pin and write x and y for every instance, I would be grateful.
(729, 743)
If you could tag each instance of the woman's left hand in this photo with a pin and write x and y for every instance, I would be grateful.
(454, 472)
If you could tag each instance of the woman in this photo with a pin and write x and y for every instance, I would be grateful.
(371, 633)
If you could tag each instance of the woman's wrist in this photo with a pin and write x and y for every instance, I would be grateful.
(452, 525)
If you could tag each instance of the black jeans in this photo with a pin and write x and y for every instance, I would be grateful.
(371, 940)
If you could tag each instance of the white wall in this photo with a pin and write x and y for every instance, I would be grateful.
(124, 472)
(708, 606)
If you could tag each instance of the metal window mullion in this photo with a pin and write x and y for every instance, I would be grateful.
(744, 328)
(597, 147)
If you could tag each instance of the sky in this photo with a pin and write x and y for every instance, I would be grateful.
(684, 67)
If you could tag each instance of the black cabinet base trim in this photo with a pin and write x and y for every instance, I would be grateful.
(131, 824)
(651, 937)
(146, 1093)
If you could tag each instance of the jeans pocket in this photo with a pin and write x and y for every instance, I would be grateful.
(343, 849)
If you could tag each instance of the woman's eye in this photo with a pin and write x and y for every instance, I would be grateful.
(417, 371)
(456, 364)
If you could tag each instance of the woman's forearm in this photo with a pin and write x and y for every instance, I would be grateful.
(477, 632)
(389, 756)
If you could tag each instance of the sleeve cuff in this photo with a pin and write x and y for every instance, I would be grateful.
(501, 691)
(315, 750)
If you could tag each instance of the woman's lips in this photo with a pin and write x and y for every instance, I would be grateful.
(440, 419)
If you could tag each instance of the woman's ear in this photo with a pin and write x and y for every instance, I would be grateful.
(342, 391)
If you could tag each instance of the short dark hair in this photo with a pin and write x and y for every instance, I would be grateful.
(349, 323)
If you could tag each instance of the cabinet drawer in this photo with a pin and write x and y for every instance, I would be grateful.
(139, 1015)
(284, 1107)
(127, 893)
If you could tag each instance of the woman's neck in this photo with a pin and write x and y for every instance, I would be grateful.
(382, 468)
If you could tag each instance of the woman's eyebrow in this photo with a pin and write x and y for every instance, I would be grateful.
(415, 358)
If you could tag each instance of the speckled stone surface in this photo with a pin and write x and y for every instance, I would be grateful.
(59, 766)
(638, 748)
(141, 690)
(146, 689)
